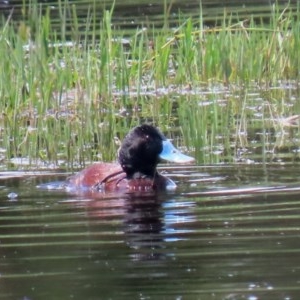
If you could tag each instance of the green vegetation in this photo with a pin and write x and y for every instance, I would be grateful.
(67, 92)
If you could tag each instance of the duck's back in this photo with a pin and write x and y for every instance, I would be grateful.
(96, 175)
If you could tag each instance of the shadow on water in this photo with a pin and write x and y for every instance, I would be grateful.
(229, 232)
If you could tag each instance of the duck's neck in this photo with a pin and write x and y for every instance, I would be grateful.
(140, 175)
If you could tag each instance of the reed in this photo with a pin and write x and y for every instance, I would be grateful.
(69, 90)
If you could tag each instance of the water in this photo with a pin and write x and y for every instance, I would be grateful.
(133, 14)
(227, 232)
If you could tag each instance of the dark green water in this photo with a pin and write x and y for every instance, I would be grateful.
(133, 14)
(219, 236)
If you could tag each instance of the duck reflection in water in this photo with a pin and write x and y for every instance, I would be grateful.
(150, 222)
(144, 226)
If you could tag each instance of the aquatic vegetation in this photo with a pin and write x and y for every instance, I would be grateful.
(70, 90)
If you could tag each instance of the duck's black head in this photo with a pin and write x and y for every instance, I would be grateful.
(142, 149)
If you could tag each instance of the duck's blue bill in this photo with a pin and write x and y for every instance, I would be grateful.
(170, 153)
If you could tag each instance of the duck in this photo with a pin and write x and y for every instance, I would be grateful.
(136, 168)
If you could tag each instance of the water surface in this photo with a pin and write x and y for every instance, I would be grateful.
(227, 232)
(133, 14)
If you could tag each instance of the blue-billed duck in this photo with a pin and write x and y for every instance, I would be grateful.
(140, 152)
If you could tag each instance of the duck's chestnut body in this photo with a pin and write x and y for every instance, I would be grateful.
(138, 157)
(110, 177)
